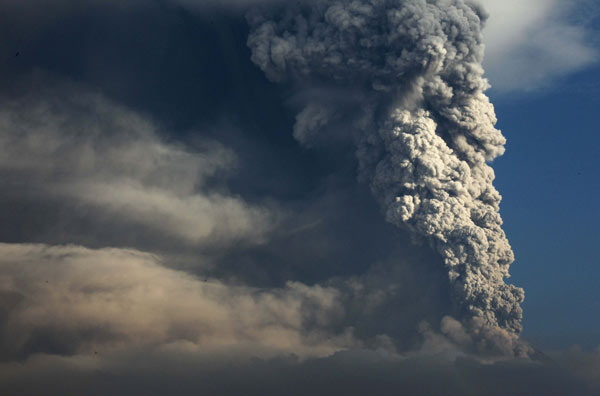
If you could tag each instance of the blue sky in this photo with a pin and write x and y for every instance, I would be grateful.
(542, 60)
(549, 178)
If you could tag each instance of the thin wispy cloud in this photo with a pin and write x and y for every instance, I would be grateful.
(530, 45)
(80, 148)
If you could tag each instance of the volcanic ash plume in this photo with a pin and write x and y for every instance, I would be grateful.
(424, 134)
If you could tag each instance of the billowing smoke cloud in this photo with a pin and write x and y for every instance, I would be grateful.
(162, 233)
(424, 129)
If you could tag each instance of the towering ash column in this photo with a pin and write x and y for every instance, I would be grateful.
(404, 79)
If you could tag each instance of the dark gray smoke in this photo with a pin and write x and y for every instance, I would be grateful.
(404, 81)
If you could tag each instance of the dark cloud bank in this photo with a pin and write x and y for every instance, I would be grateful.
(256, 197)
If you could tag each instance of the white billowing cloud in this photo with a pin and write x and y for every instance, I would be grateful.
(81, 148)
(530, 43)
(70, 300)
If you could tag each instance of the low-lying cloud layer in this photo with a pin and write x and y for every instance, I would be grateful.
(69, 300)
(183, 369)
(117, 321)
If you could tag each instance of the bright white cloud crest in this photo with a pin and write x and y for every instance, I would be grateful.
(529, 44)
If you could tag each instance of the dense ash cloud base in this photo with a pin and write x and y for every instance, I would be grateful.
(425, 132)
(186, 371)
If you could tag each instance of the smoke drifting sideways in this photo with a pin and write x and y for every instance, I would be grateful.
(403, 81)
